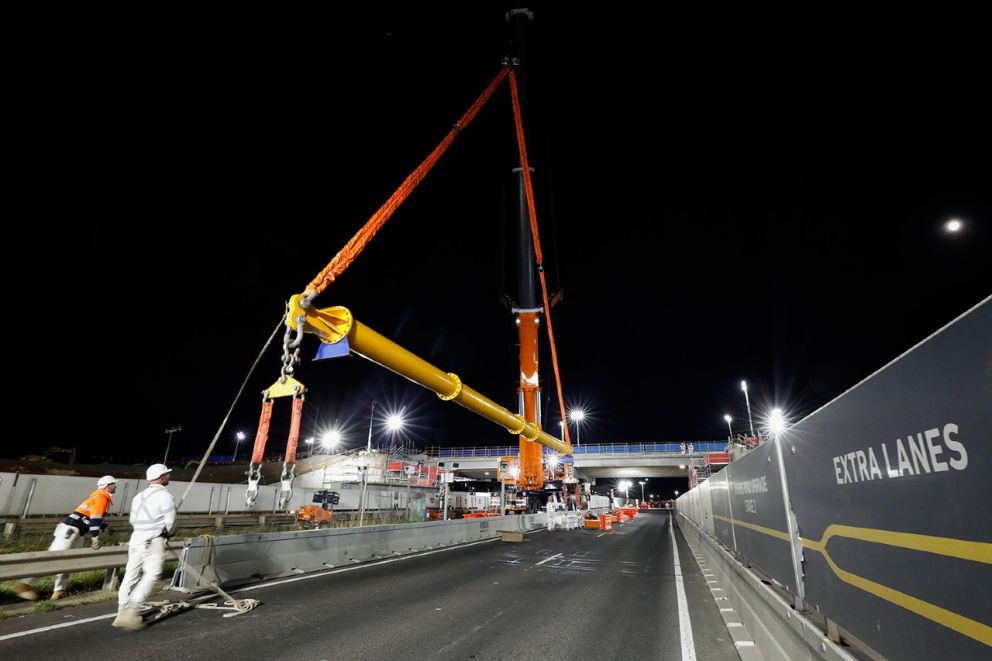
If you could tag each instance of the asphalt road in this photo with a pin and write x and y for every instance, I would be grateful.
(579, 594)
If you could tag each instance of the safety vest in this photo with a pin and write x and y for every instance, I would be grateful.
(88, 516)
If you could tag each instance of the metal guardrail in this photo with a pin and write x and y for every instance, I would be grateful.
(13, 526)
(47, 563)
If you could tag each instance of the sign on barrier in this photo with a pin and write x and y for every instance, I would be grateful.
(755, 496)
(720, 501)
(891, 488)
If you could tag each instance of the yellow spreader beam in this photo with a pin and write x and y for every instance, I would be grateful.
(333, 324)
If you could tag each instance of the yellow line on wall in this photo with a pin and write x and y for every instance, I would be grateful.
(947, 546)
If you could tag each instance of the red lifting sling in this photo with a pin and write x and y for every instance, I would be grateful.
(290, 387)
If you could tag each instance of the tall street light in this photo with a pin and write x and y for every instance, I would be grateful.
(241, 437)
(747, 400)
(328, 441)
(577, 416)
(776, 425)
(642, 489)
(729, 428)
(394, 423)
(170, 431)
(625, 485)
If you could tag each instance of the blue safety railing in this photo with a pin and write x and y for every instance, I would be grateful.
(593, 449)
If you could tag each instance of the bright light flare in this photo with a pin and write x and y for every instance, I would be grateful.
(577, 415)
(331, 439)
(776, 423)
(953, 226)
(241, 436)
(727, 418)
(394, 422)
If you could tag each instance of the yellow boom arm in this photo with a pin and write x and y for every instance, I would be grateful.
(333, 324)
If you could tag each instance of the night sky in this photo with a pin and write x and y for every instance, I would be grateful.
(715, 205)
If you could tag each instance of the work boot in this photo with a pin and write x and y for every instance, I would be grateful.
(129, 619)
(58, 594)
(25, 591)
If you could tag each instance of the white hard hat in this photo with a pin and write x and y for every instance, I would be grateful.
(106, 480)
(156, 471)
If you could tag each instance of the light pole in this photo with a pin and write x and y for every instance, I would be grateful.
(776, 425)
(642, 482)
(625, 485)
(747, 400)
(241, 437)
(170, 431)
(309, 443)
(449, 479)
(329, 441)
(577, 416)
(365, 472)
(729, 429)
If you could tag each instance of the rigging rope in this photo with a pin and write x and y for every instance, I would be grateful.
(206, 455)
(538, 255)
(354, 247)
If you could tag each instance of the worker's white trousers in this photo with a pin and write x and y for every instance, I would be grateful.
(65, 537)
(144, 566)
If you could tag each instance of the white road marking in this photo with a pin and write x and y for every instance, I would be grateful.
(557, 555)
(57, 626)
(685, 624)
(253, 587)
(474, 630)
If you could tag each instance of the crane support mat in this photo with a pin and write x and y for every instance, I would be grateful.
(511, 535)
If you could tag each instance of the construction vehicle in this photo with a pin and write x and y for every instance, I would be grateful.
(340, 334)
(314, 516)
(47, 455)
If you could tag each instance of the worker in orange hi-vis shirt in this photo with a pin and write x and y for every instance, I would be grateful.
(87, 519)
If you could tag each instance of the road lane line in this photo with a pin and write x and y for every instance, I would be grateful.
(57, 626)
(557, 555)
(685, 625)
(252, 587)
(362, 565)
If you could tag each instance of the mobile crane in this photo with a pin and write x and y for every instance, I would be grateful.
(341, 334)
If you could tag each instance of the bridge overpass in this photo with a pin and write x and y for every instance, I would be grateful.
(594, 460)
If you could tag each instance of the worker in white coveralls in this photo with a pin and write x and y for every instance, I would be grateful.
(153, 517)
(85, 521)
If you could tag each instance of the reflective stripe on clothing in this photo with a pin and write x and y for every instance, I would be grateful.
(96, 505)
(77, 522)
(88, 516)
(152, 512)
